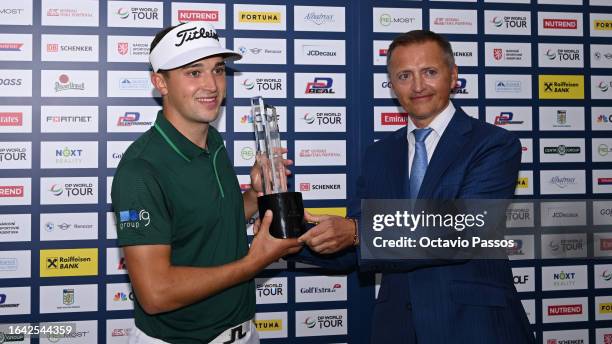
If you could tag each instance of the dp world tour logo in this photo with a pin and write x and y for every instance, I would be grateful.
(551, 54)
(123, 13)
(603, 86)
(606, 275)
(56, 190)
(310, 322)
(497, 21)
(248, 84)
(309, 118)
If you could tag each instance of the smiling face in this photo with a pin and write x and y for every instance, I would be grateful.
(192, 94)
(422, 80)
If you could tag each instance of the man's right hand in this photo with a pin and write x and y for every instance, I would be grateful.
(266, 249)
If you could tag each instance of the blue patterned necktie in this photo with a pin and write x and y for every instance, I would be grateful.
(419, 162)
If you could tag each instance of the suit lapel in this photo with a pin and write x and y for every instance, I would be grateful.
(448, 149)
(397, 168)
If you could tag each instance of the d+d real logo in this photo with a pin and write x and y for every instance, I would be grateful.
(505, 118)
(460, 86)
(131, 118)
(320, 85)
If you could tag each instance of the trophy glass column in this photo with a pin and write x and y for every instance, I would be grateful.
(287, 207)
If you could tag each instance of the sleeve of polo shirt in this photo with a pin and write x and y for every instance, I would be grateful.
(139, 205)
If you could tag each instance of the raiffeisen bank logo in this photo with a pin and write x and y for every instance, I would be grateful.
(70, 262)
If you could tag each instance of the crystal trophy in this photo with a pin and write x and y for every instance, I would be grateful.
(287, 207)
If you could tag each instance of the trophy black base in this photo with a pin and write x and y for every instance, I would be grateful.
(288, 213)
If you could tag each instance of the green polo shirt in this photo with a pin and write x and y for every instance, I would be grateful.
(169, 191)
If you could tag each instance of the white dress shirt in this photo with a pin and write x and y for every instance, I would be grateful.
(438, 125)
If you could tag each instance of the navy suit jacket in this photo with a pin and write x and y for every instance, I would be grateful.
(471, 301)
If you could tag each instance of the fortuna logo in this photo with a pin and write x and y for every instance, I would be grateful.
(193, 34)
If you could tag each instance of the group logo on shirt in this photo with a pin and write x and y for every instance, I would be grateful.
(133, 219)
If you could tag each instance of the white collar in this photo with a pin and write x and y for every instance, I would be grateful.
(439, 123)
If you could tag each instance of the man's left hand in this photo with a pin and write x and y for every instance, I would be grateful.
(330, 235)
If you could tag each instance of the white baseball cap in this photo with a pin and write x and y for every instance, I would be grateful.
(186, 43)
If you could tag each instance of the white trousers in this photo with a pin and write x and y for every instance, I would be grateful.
(231, 335)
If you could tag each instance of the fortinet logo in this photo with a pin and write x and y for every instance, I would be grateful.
(11, 119)
(196, 15)
(560, 310)
(567, 24)
(394, 118)
(11, 190)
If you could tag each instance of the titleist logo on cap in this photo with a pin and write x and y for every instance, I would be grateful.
(193, 33)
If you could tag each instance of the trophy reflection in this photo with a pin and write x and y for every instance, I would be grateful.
(287, 207)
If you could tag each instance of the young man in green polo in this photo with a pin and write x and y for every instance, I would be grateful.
(181, 218)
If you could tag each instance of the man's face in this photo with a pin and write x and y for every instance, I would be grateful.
(422, 80)
(193, 93)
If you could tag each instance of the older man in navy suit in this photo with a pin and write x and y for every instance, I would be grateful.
(441, 154)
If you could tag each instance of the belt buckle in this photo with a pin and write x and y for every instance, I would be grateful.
(236, 334)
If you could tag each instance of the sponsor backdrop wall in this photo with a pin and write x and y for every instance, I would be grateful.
(75, 92)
